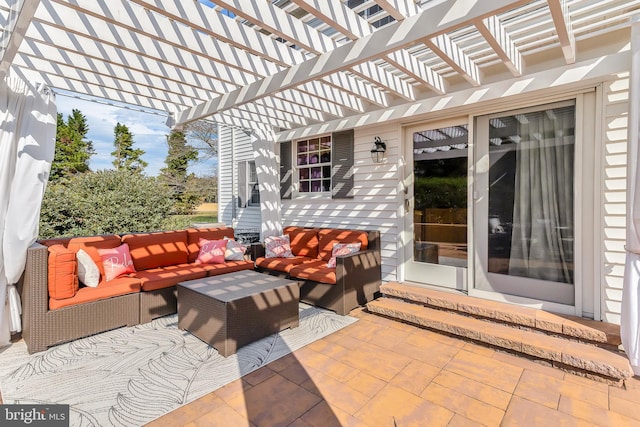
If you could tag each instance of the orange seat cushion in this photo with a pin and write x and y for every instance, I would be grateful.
(281, 264)
(328, 237)
(113, 288)
(91, 245)
(316, 271)
(160, 249)
(195, 234)
(304, 241)
(165, 277)
(227, 267)
(63, 272)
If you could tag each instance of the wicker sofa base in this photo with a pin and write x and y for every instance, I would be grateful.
(158, 303)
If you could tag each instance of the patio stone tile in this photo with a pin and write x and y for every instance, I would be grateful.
(328, 348)
(586, 394)
(338, 370)
(415, 377)
(539, 388)
(624, 407)
(326, 415)
(626, 393)
(385, 322)
(283, 362)
(371, 359)
(483, 369)
(191, 412)
(363, 329)
(259, 375)
(594, 414)
(482, 392)
(346, 341)
(394, 405)
(460, 421)
(296, 373)
(336, 393)
(233, 393)
(525, 413)
(535, 366)
(366, 384)
(479, 349)
(469, 407)
(586, 382)
(299, 422)
(426, 350)
(276, 401)
(220, 417)
(390, 338)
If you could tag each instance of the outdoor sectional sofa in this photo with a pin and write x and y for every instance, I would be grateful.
(56, 310)
(353, 282)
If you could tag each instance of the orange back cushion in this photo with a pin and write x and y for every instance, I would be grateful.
(328, 237)
(304, 241)
(91, 245)
(152, 250)
(195, 234)
(63, 272)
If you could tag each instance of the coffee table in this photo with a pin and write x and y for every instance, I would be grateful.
(233, 309)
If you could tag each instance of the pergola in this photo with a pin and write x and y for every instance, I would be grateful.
(289, 64)
(284, 69)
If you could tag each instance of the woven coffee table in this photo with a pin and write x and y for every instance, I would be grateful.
(233, 309)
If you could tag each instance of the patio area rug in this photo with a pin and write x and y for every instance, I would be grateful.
(131, 376)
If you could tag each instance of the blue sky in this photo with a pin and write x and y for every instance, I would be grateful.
(149, 134)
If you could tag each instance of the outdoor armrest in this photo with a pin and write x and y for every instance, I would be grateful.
(256, 250)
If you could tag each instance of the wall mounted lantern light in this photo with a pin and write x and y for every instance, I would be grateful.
(378, 150)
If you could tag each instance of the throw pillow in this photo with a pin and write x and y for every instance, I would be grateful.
(116, 262)
(342, 249)
(278, 247)
(88, 271)
(211, 251)
(234, 251)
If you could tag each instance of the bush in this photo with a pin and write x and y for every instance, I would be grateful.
(105, 202)
(440, 192)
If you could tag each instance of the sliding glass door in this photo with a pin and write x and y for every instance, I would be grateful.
(524, 203)
(436, 204)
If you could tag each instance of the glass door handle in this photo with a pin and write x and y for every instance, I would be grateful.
(407, 205)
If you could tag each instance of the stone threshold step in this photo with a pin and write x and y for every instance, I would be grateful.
(583, 359)
(570, 326)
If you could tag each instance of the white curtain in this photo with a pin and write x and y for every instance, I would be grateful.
(27, 146)
(542, 239)
(630, 321)
(268, 170)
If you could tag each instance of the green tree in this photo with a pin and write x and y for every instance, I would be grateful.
(73, 150)
(175, 175)
(105, 202)
(126, 157)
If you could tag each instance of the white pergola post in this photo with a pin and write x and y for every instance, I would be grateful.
(268, 170)
(630, 320)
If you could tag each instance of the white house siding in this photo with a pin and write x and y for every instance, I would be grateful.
(614, 185)
(375, 202)
(234, 144)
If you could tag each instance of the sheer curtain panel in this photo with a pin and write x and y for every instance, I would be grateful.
(630, 319)
(27, 146)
